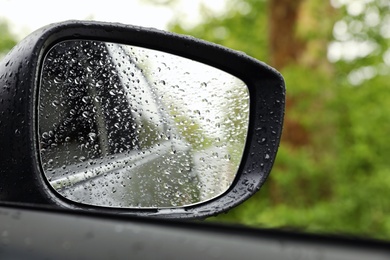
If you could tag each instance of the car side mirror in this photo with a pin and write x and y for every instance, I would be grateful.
(123, 119)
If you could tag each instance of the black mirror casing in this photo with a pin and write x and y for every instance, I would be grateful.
(21, 173)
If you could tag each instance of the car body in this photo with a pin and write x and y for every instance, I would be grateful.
(44, 233)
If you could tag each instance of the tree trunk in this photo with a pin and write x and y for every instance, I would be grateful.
(285, 47)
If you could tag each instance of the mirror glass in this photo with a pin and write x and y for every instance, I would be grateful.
(130, 127)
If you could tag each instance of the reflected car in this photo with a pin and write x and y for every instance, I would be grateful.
(105, 137)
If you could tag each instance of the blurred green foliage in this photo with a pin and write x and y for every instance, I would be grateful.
(7, 40)
(332, 172)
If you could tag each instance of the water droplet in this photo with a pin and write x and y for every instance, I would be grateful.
(55, 103)
(85, 114)
(72, 112)
(85, 99)
(57, 80)
(45, 135)
(92, 136)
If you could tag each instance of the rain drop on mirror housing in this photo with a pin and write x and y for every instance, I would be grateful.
(67, 143)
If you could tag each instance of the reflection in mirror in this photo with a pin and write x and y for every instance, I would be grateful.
(124, 126)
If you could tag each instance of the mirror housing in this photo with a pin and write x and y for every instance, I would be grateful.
(22, 175)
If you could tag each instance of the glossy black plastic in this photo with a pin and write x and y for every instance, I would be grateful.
(21, 175)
